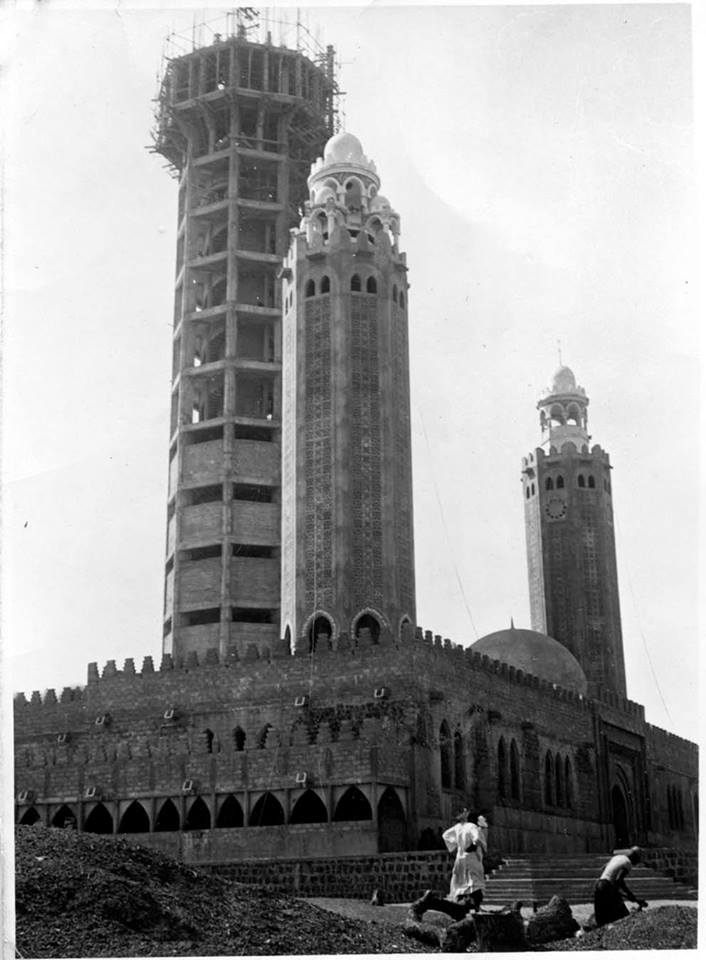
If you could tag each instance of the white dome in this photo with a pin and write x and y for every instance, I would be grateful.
(380, 203)
(344, 148)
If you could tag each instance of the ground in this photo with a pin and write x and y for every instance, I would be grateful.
(95, 896)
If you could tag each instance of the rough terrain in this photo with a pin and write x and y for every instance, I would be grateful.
(84, 895)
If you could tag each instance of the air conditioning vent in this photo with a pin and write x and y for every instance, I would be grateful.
(25, 796)
(302, 701)
(63, 737)
(103, 720)
(188, 786)
(381, 693)
(169, 714)
(302, 779)
(92, 793)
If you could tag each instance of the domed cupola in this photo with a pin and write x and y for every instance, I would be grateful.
(534, 653)
(563, 414)
(343, 192)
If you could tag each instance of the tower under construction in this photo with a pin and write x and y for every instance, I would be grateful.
(239, 123)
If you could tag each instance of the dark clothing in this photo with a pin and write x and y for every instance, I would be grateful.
(608, 903)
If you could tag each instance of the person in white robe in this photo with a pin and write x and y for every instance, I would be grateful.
(469, 841)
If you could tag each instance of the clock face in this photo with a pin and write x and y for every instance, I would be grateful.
(555, 508)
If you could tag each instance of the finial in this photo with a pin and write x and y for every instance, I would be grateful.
(558, 346)
(512, 624)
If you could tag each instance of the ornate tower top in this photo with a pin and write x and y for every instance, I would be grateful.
(563, 413)
(343, 192)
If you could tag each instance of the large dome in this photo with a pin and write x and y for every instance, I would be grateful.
(534, 653)
(564, 381)
(344, 148)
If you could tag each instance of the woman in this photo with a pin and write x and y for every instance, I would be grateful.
(470, 841)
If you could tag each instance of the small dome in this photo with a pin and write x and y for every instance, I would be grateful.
(344, 148)
(323, 193)
(534, 653)
(380, 203)
(563, 381)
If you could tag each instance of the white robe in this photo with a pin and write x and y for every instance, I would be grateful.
(467, 875)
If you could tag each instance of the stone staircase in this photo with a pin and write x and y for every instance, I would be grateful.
(537, 879)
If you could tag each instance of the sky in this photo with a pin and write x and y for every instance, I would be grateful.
(541, 160)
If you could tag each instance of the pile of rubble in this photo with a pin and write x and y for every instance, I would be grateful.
(84, 895)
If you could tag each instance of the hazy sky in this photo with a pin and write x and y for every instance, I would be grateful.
(541, 161)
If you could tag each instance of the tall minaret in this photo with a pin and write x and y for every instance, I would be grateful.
(347, 540)
(573, 576)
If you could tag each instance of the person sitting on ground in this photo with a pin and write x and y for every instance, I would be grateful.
(611, 891)
(469, 840)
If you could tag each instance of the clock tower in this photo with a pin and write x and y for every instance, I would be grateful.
(571, 559)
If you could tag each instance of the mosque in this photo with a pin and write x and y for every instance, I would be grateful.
(299, 712)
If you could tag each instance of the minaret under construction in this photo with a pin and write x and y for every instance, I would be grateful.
(240, 123)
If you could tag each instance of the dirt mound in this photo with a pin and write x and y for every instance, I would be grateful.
(659, 928)
(84, 895)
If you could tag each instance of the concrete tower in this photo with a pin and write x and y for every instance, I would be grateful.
(573, 576)
(347, 540)
(240, 123)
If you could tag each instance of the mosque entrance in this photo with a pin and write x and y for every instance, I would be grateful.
(620, 817)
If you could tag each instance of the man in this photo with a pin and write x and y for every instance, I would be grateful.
(611, 890)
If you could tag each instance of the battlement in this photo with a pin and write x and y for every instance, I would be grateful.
(568, 449)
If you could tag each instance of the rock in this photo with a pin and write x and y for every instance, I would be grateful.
(459, 936)
(500, 931)
(554, 921)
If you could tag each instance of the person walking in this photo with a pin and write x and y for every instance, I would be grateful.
(470, 842)
(611, 891)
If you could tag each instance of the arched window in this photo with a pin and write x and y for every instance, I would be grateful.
(533, 489)
(559, 779)
(230, 813)
(239, 738)
(367, 622)
(459, 764)
(64, 817)
(198, 816)
(514, 771)
(402, 300)
(267, 812)
(320, 631)
(394, 293)
(591, 481)
(548, 779)
(353, 195)
(371, 285)
(325, 285)
(135, 819)
(527, 492)
(262, 736)
(208, 740)
(310, 289)
(355, 283)
(309, 808)
(582, 480)
(167, 818)
(549, 484)
(98, 820)
(30, 817)
(502, 768)
(560, 482)
(568, 784)
(353, 805)
(445, 747)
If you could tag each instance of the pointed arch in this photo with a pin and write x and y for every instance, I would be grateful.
(64, 817)
(394, 293)
(371, 285)
(230, 813)
(354, 194)
(309, 808)
(198, 816)
(353, 805)
(459, 762)
(402, 300)
(98, 820)
(355, 283)
(167, 818)
(548, 779)
(560, 482)
(267, 812)
(582, 480)
(368, 620)
(239, 738)
(549, 484)
(135, 819)
(392, 822)
(325, 284)
(591, 482)
(515, 791)
(502, 768)
(319, 629)
(446, 757)
(262, 736)
(310, 288)
(30, 817)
